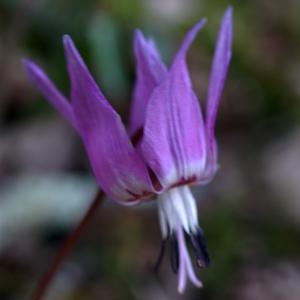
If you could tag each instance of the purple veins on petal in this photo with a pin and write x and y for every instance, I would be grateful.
(49, 91)
(174, 142)
(149, 72)
(218, 74)
(117, 166)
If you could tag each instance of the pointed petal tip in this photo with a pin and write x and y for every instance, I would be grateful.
(227, 18)
(138, 33)
(27, 64)
(67, 39)
(199, 25)
(69, 45)
(72, 54)
(25, 61)
(47, 88)
(189, 38)
(219, 69)
(229, 11)
(227, 28)
(138, 37)
(33, 71)
(140, 41)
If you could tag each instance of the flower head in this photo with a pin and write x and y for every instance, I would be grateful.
(169, 146)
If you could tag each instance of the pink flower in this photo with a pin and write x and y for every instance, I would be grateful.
(171, 145)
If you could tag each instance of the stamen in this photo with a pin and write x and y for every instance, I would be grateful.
(163, 223)
(190, 207)
(200, 248)
(161, 254)
(178, 216)
(185, 267)
(174, 253)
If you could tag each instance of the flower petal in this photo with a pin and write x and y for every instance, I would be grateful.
(218, 73)
(174, 136)
(117, 166)
(149, 71)
(49, 91)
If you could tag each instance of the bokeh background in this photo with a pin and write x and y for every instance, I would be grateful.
(250, 212)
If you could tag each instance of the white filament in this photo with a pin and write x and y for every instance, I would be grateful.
(177, 207)
(177, 212)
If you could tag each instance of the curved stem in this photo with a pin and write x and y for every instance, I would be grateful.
(66, 248)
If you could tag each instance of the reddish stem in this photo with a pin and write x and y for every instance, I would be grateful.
(66, 248)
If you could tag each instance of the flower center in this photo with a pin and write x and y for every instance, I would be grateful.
(178, 215)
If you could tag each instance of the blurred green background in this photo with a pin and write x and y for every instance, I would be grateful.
(250, 212)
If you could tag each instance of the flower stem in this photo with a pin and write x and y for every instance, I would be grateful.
(66, 248)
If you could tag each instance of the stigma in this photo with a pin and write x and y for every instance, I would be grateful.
(178, 218)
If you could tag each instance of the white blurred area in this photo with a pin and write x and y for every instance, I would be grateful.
(282, 172)
(31, 201)
(170, 11)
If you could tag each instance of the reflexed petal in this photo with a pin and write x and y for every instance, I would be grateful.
(174, 138)
(219, 69)
(49, 91)
(149, 71)
(117, 166)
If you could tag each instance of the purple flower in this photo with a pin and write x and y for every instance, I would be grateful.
(169, 147)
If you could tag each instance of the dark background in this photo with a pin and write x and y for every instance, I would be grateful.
(250, 212)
